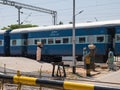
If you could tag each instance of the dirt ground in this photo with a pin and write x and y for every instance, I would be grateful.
(29, 67)
(12, 64)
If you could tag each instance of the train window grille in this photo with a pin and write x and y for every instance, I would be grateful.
(91, 39)
(43, 41)
(65, 40)
(0, 42)
(100, 39)
(50, 41)
(36, 40)
(117, 38)
(30, 41)
(82, 39)
(22, 42)
(57, 40)
(14, 42)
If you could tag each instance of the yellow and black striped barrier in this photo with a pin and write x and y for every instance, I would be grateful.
(64, 85)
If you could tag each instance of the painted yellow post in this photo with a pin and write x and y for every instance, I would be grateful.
(19, 84)
(18, 73)
(4, 68)
(2, 85)
(40, 77)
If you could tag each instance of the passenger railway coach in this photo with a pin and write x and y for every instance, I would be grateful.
(116, 45)
(4, 42)
(57, 40)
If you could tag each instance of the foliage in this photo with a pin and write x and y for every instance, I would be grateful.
(16, 26)
(70, 22)
(60, 23)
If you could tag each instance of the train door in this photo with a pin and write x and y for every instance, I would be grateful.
(24, 44)
(7, 43)
(111, 33)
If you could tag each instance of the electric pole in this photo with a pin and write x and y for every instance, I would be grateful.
(73, 40)
(30, 7)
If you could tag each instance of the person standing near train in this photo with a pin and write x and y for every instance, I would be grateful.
(110, 60)
(84, 54)
(92, 48)
(38, 52)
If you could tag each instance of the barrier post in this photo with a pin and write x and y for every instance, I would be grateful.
(4, 68)
(2, 85)
(19, 84)
(40, 72)
(40, 76)
(2, 82)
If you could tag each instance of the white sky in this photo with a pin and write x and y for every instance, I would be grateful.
(93, 10)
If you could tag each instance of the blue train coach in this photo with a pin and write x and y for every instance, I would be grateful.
(4, 42)
(57, 40)
(18, 42)
(117, 41)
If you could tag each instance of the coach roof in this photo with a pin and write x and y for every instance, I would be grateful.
(68, 26)
(2, 31)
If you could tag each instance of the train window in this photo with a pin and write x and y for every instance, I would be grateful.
(65, 40)
(14, 42)
(118, 38)
(50, 41)
(90, 39)
(36, 40)
(57, 40)
(81, 39)
(43, 41)
(100, 38)
(24, 42)
(0, 42)
(30, 41)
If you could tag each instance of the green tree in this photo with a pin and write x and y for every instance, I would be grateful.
(16, 26)
(70, 22)
(60, 23)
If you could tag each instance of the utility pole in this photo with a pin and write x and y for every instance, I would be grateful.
(19, 21)
(73, 40)
(54, 18)
(30, 7)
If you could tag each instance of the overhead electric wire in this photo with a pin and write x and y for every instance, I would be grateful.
(67, 11)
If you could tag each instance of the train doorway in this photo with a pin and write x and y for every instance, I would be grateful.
(24, 44)
(111, 39)
(7, 43)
